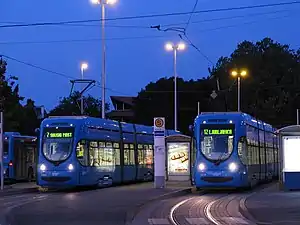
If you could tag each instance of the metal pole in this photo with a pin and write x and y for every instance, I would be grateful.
(297, 116)
(1, 151)
(81, 97)
(175, 89)
(103, 60)
(239, 94)
(198, 108)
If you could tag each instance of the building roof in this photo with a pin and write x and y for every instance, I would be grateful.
(125, 99)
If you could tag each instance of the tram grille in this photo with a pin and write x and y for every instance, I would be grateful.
(216, 179)
(56, 179)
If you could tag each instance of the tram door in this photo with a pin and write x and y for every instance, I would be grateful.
(24, 160)
(19, 162)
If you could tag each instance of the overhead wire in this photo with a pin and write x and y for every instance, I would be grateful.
(52, 71)
(151, 15)
(190, 17)
(133, 37)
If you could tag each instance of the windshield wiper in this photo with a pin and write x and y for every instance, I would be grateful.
(220, 158)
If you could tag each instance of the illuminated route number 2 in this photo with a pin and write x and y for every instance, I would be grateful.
(216, 132)
(59, 135)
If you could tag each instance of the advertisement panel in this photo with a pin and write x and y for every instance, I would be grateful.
(178, 158)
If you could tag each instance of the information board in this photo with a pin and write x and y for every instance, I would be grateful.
(59, 135)
(218, 131)
(178, 158)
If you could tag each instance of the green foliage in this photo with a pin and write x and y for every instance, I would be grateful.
(70, 106)
(16, 117)
(269, 92)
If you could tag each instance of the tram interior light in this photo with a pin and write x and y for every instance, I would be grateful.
(233, 167)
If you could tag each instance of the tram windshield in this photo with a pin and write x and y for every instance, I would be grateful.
(217, 141)
(57, 143)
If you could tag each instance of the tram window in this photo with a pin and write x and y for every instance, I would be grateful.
(132, 159)
(82, 153)
(108, 155)
(250, 153)
(117, 154)
(149, 155)
(242, 150)
(129, 154)
(140, 154)
(126, 157)
(5, 148)
(94, 153)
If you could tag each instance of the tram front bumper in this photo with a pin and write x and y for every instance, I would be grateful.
(220, 179)
(57, 179)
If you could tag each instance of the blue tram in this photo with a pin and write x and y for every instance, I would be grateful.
(233, 150)
(19, 156)
(86, 151)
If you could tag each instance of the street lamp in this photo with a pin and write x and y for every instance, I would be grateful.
(83, 67)
(178, 47)
(239, 74)
(103, 76)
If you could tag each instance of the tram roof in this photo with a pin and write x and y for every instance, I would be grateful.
(217, 116)
(100, 123)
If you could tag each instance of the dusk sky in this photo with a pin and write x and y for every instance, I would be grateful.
(134, 62)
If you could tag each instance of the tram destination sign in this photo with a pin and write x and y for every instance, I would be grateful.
(59, 134)
(218, 131)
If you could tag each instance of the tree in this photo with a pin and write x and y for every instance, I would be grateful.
(270, 91)
(17, 118)
(70, 106)
(10, 99)
(157, 99)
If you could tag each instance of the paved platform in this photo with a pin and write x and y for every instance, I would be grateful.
(274, 206)
(19, 188)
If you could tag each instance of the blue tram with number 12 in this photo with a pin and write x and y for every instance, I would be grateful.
(233, 150)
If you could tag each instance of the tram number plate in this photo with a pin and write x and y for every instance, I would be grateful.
(217, 174)
(54, 173)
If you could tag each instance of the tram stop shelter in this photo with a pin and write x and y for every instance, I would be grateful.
(289, 157)
(178, 158)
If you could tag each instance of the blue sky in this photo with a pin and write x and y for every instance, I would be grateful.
(131, 63)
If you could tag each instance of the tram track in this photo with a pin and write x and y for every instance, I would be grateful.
(204, 208)
(198, 208)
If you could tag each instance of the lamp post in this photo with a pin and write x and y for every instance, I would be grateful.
(83, 67)
(239, 74)
(178, 47)
(103, 76)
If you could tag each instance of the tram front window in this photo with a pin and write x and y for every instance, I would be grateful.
(217, 142)
(5, 148)
(57, 143)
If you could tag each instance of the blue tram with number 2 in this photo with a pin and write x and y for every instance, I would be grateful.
(233, 150)
(85, 151)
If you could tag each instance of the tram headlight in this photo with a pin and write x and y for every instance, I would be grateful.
(233, 167)
(201, 167)
(71, 167)
(42, 167)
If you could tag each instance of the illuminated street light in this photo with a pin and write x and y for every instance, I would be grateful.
(103, 75)
(171, 47)
(239, 74)
(83, 67)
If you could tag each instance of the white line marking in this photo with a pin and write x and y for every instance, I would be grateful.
(197, 221)
(172, 218)
(158, 221)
